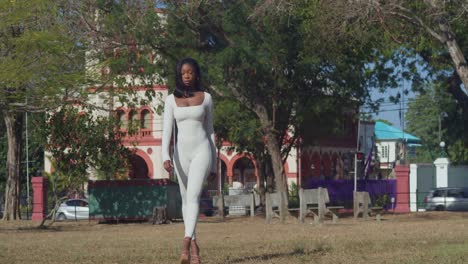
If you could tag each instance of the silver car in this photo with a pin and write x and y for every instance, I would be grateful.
(73, 209)
(450, 199)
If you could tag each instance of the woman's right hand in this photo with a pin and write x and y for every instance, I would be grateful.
(168, 165)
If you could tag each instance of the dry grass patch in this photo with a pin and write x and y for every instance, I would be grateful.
(411, 238)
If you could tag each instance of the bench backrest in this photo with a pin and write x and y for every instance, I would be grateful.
(274, 199)
(308, 196)
(311, 196)
(362, 198)
(235, 200)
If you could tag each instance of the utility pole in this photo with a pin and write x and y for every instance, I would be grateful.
(440, 125)
(357, 149)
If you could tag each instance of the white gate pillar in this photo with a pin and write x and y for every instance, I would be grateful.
(442, 165)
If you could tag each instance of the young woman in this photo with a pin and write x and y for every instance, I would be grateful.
(194, 153)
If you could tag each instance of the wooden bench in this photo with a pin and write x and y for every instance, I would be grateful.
(246, 200)
(363, 205)
(310, 201)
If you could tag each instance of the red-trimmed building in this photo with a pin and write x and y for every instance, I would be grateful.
(327, 158)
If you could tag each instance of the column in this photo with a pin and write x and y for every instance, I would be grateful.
(442, 165)
(402, 198)
(39, 185)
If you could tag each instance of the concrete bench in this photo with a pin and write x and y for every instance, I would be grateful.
(310, 201)
(245, 200)
(363, 205)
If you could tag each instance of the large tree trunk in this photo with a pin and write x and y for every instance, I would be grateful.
(273, 146)
(274, 150)
(261, 178)
(14, 125)
(456, 54)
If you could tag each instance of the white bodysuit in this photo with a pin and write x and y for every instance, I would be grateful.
(194, 154)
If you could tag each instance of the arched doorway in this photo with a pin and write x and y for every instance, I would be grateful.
(212, 181)
(138, 168)
(244, 172)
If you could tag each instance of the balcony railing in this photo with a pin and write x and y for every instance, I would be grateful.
(143, 133)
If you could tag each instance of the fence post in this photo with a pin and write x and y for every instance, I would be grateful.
(417, 200)
(402, 199)
(302, 206)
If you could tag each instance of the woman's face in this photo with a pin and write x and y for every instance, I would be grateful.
(188, 75)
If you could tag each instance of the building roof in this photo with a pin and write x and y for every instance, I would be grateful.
(387, 132)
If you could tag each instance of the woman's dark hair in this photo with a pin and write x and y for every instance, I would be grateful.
(181, 90)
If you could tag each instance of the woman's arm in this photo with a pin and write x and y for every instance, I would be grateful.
(210, 130)
(168, 122)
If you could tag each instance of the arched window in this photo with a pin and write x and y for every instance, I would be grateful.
(145, 119)
(121, 119)
(133, 118)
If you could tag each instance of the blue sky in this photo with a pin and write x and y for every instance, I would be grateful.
(390, 111)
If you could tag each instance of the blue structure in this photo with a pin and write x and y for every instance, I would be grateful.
(387, 133)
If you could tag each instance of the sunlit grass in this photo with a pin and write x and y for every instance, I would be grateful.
(414, 238)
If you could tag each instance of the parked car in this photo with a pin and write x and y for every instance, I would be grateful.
(73, 209)
(449, 198)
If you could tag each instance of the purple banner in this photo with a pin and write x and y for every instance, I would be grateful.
(341, 191)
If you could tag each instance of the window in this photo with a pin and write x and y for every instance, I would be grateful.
(121, 119)
(133, 118)
(385, 152)
(455, 193)
(439, 193)
(145, 119)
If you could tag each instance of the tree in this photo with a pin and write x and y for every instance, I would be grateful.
(76, 141)
(433, 33)
(238, 125)
(439, 27)
(435, 116)
(41, 65)
(283, 66)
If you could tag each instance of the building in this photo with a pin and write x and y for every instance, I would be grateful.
(393, 146)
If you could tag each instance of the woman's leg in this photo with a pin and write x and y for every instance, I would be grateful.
(198, 170)
(181, 167)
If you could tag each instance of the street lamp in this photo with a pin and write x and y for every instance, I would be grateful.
(443, 154)
(443, 114)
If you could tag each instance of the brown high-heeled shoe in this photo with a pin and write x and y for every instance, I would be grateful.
(194, 253)
(184, 257)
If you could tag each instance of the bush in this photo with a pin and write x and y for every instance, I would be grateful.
(293, 201)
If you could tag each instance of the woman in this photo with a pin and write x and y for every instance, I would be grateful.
(194, 153)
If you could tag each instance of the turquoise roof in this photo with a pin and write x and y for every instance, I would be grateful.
(387, 132)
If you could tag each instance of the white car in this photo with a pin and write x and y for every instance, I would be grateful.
(73, 209)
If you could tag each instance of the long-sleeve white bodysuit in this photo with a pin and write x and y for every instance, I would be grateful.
(194, 154)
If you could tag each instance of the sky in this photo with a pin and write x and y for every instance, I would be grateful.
(390, 111)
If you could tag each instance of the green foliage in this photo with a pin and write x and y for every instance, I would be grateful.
(382, 200)
(293, 196)
(432, 106)
(291, 62)
(77, 140)
(238, 125)
(41, 61)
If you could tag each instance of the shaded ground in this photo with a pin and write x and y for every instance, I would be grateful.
(435, 237)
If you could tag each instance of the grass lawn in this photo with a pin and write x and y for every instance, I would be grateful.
(435, 237)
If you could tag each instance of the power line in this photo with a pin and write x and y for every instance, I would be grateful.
(387, 110)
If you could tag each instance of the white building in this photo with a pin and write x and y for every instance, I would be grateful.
(393, 145)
